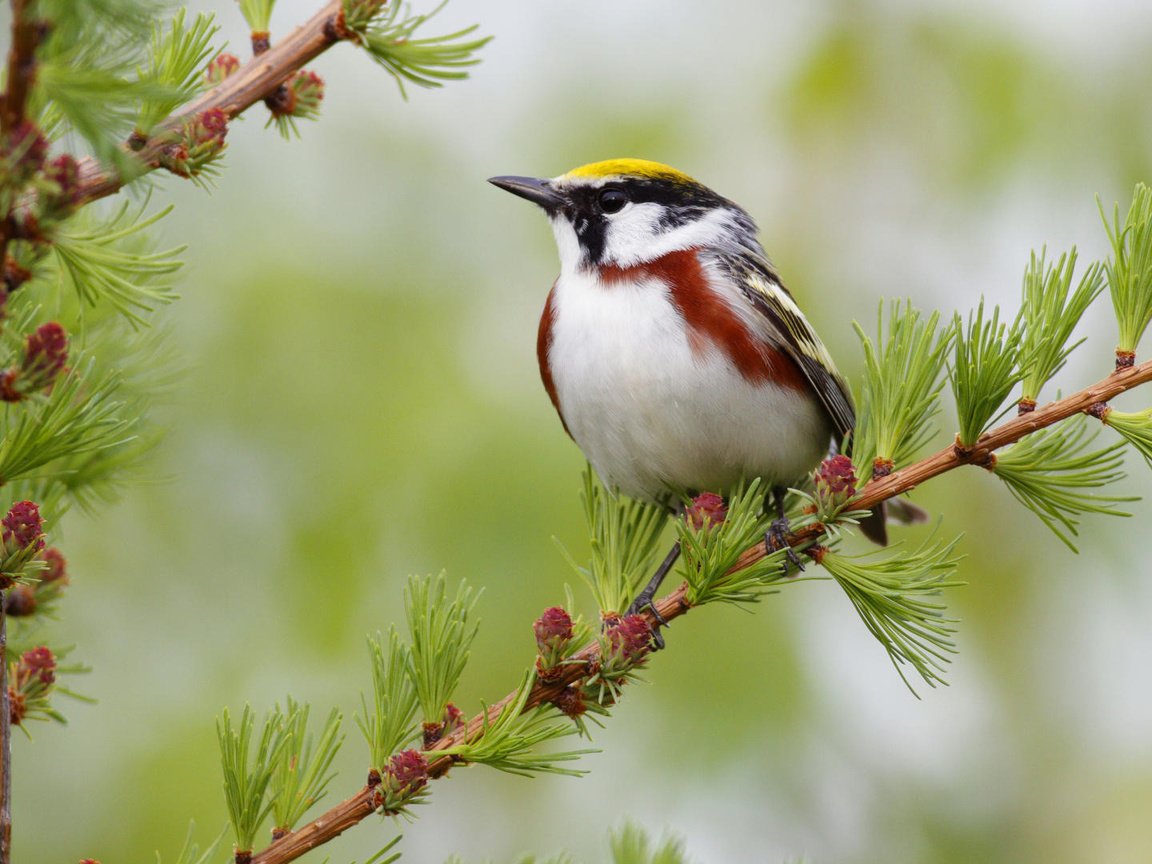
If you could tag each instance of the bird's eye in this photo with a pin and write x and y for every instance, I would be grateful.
(612, 200)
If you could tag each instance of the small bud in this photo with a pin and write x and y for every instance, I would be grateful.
(630, 639)
(554, 635)
(21, 538)
(571, 702)
(706, 509)
(45, 356)
(202, 141)
(453, 717)
(175, 159)
(20, 602)
(835, 480)
(553, 631)
(23, 526)
(300, 96)
(409, 769)
(23, 154)
(212, 125)
(308, 92)
(220, 67)
(405, 776)
(64, 173)
(39, 662)
(57, 569)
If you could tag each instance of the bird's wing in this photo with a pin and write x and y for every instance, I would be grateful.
(789, 330)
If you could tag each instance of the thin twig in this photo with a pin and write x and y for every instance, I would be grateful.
(347, 813)
(255, 80)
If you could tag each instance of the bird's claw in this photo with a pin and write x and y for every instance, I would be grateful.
(777, 539)
(644, 602)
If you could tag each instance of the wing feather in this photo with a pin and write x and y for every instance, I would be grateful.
(788, 329)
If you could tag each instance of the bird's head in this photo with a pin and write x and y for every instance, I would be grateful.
(625, 212)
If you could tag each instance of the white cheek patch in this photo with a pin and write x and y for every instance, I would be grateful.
(634, 235)
(567, 243)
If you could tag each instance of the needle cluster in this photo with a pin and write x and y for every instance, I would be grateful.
(1129, 271)
(903, 376)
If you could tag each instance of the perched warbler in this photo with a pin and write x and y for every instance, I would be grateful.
(673, 353)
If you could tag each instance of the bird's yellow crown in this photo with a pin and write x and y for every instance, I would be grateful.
(629, 168)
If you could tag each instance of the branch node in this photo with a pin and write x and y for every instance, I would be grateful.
(336, 29)
(963, 452)
(881, 467)
(1099, 410)
(1025, 406)
(280, 101)
(1125, 359)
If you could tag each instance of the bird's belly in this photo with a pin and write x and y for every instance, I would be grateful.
(658, 417)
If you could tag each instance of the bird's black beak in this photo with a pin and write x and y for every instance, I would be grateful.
(537, 191)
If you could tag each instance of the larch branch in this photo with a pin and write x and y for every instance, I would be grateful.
(354, 809)
(256, 79)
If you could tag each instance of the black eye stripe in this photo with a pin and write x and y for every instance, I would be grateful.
(679, 203)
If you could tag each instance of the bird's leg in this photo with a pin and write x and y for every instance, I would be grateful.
(644, 598)
(777, 536)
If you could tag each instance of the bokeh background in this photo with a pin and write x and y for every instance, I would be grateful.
(360, 401)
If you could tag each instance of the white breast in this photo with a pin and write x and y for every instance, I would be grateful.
(657, 419)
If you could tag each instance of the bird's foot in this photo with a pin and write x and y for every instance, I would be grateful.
(644, 600)
(776, 539)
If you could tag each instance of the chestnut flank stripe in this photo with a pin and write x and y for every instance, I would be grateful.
(543, 346)
(711, 320)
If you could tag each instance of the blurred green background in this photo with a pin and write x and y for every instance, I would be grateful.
(361, 402)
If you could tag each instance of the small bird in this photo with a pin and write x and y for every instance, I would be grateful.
(676, 358)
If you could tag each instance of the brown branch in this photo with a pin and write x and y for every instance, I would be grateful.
(21, 66)
(952, 457)
(21, 72)
(258, 78)
(347, 813)
(26, 35)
